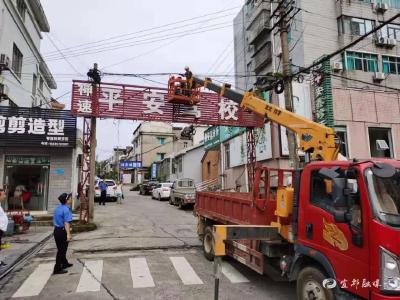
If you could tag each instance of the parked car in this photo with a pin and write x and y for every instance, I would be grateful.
(112, 189)
(183, 193)
(147, 187)
(162, 191)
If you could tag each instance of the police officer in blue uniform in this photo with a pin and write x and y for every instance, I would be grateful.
(62, 232)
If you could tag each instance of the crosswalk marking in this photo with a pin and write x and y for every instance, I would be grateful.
(35, 283)
(232, 274)
(140, 273)
(90, 280)
(185, 271)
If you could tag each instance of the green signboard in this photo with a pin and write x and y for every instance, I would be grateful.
(323, 103)
(216, 135)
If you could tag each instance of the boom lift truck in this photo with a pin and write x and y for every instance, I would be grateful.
(335, 230)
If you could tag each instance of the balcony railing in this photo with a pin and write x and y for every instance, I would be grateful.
(263, 57)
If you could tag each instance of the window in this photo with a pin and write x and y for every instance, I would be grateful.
(380, 142)
(227, 156)
(180, 162)
(41, 83)
(21, 7)
(360, 26)
(17, 61)
(391, 64)
(34, 84)
(209, 168)
(320, 191)
(161, 140)
(391, 31)
(362, 61)
(185, 144)
(391, 3)
(160, 156)
(341, 132)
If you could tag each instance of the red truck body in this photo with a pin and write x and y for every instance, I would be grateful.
(351, 255)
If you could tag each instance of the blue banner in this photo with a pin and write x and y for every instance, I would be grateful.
(128, 164)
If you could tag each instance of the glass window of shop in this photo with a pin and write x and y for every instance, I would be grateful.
(26, 179)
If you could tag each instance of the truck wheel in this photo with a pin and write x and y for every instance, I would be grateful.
(180, 204)
(309, 285)
(208, 244)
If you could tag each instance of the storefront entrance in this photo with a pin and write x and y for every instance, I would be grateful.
(26, 180)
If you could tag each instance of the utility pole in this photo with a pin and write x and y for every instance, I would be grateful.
(94, 74)
(288, 92)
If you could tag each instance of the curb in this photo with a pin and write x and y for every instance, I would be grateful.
(21, 259)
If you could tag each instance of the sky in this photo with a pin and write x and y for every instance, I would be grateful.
(135, 36)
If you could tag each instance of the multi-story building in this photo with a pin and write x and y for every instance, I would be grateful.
(28, 81)
(364, 79)
(152, 142)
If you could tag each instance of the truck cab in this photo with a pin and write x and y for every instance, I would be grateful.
(348, 226)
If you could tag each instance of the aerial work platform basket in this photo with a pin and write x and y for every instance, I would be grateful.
(182, 91)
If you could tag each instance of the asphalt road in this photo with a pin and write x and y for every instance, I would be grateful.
(143, 249)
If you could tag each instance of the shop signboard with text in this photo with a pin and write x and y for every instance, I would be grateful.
(35, 127)
(129, 164)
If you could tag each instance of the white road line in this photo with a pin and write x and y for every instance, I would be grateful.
(35, 283)
(91, 276)
(185, 271)
(232, 274)
(140, 273)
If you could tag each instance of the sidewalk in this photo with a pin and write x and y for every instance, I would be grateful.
(22, 244)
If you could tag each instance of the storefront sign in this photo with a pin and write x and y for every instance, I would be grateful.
(27, 160)
(128, 164)
(58, 172)
(34, 127)
(122, 101)
(153, 171)
(323, 103)
(216, 135)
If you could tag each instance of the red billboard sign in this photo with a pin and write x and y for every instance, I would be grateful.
(122, 101)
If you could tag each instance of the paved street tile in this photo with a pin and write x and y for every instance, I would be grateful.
(185, 271)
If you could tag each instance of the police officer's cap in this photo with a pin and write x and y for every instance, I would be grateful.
(63, 197)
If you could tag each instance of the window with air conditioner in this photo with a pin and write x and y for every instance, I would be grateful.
(17, 61)
(380, 142)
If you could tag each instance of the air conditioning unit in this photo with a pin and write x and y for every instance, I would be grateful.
(392, 42)
(385, 42)
(379, 76)
(4, 61)
(381, 7)
(337, 66)
(4, 91)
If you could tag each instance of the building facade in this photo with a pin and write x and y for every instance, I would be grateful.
(28, 81)
(363, 80)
